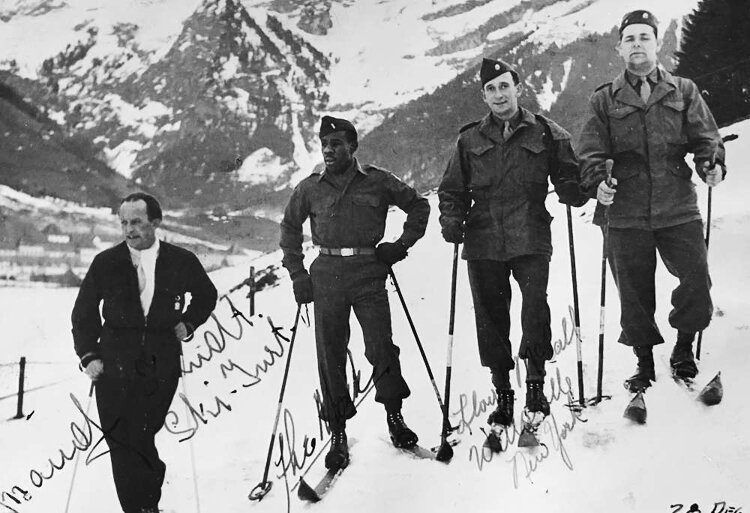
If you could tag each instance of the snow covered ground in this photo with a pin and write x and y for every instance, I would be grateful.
(687, 453)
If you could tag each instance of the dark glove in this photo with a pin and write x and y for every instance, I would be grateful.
(390, 252)
(453, 233)
(570, 194)
(303, 287)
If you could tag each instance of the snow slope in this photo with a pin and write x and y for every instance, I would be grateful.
(687, 453)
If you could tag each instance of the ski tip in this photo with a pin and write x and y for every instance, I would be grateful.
(306, 493)
(713, 392)
(527, 439)
(636, 409)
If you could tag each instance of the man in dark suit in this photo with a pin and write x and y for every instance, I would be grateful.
(134, 355)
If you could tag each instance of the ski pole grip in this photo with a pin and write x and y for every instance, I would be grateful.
(609, 164)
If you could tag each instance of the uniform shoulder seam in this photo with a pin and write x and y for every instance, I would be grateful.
(469, 125)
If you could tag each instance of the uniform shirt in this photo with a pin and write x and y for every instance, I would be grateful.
(648, 142)
(498, 187)
(349, 214)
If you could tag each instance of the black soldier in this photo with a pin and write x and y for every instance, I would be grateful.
(347, 205)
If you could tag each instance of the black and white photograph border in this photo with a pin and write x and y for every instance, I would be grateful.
(214, 106)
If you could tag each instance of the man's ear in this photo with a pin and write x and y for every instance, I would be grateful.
(659, 42)
(156, 222)
(353, 146)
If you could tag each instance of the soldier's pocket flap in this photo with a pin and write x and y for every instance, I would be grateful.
(480, 150)
(678, 105)
(323, 206)
(533, 146)
(621, 112)
(366, 200)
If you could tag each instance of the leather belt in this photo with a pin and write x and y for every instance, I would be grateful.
(346, 252)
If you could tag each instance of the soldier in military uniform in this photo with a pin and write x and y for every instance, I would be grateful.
(646, 121)
(347, 206)
(492, 198)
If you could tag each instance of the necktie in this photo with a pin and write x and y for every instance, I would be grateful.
(141, 276)
(645, 90)
(507, 131)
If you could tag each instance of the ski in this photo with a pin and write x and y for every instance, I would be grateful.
(315, 494)
(497, 438)
(710, 395)
(636, 409)
(419, 452)
(531, 423)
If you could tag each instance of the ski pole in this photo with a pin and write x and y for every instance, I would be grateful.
(602, 299)
(730, 137)
(445, 453)
(78, 454)
(262, 488)
(576, 314)
(416, 337)
(183, 378)
(708, 237)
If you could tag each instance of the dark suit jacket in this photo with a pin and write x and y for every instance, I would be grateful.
(113, 280)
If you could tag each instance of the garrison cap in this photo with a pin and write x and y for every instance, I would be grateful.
(639, 16)
(492, 68)
(330, 124)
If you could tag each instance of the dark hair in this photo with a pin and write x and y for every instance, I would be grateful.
(153, 209)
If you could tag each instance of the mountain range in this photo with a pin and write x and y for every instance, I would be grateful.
(215, 103)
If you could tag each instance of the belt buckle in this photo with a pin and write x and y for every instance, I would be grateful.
(346, 252)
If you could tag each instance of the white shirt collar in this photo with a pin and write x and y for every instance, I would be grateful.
(147, 255)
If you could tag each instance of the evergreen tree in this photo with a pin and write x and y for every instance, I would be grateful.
(715, 53)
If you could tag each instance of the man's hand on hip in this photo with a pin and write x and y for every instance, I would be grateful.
(181, 331)
(94, 369)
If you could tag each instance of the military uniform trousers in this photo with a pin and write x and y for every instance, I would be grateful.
(490, 287)
(133, 397)
(342, 284)
(632, 258)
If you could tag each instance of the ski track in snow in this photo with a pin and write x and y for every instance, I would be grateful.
(687, 453)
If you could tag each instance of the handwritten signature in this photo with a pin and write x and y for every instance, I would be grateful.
(200, 415)
(718, 507)
(82, 439)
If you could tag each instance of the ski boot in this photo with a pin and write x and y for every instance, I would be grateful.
(682, 360)
(338, 454)
(644, 372)
(499, 420)
(537, 408)
(401, 435)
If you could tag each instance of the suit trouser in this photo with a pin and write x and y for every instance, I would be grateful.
(133, 399)
(342, 284)
(632, 258)
(490, 288)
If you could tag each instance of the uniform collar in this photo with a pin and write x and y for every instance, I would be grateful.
(355, 164)
(652, 77)
(622, 90)
(492, 127)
